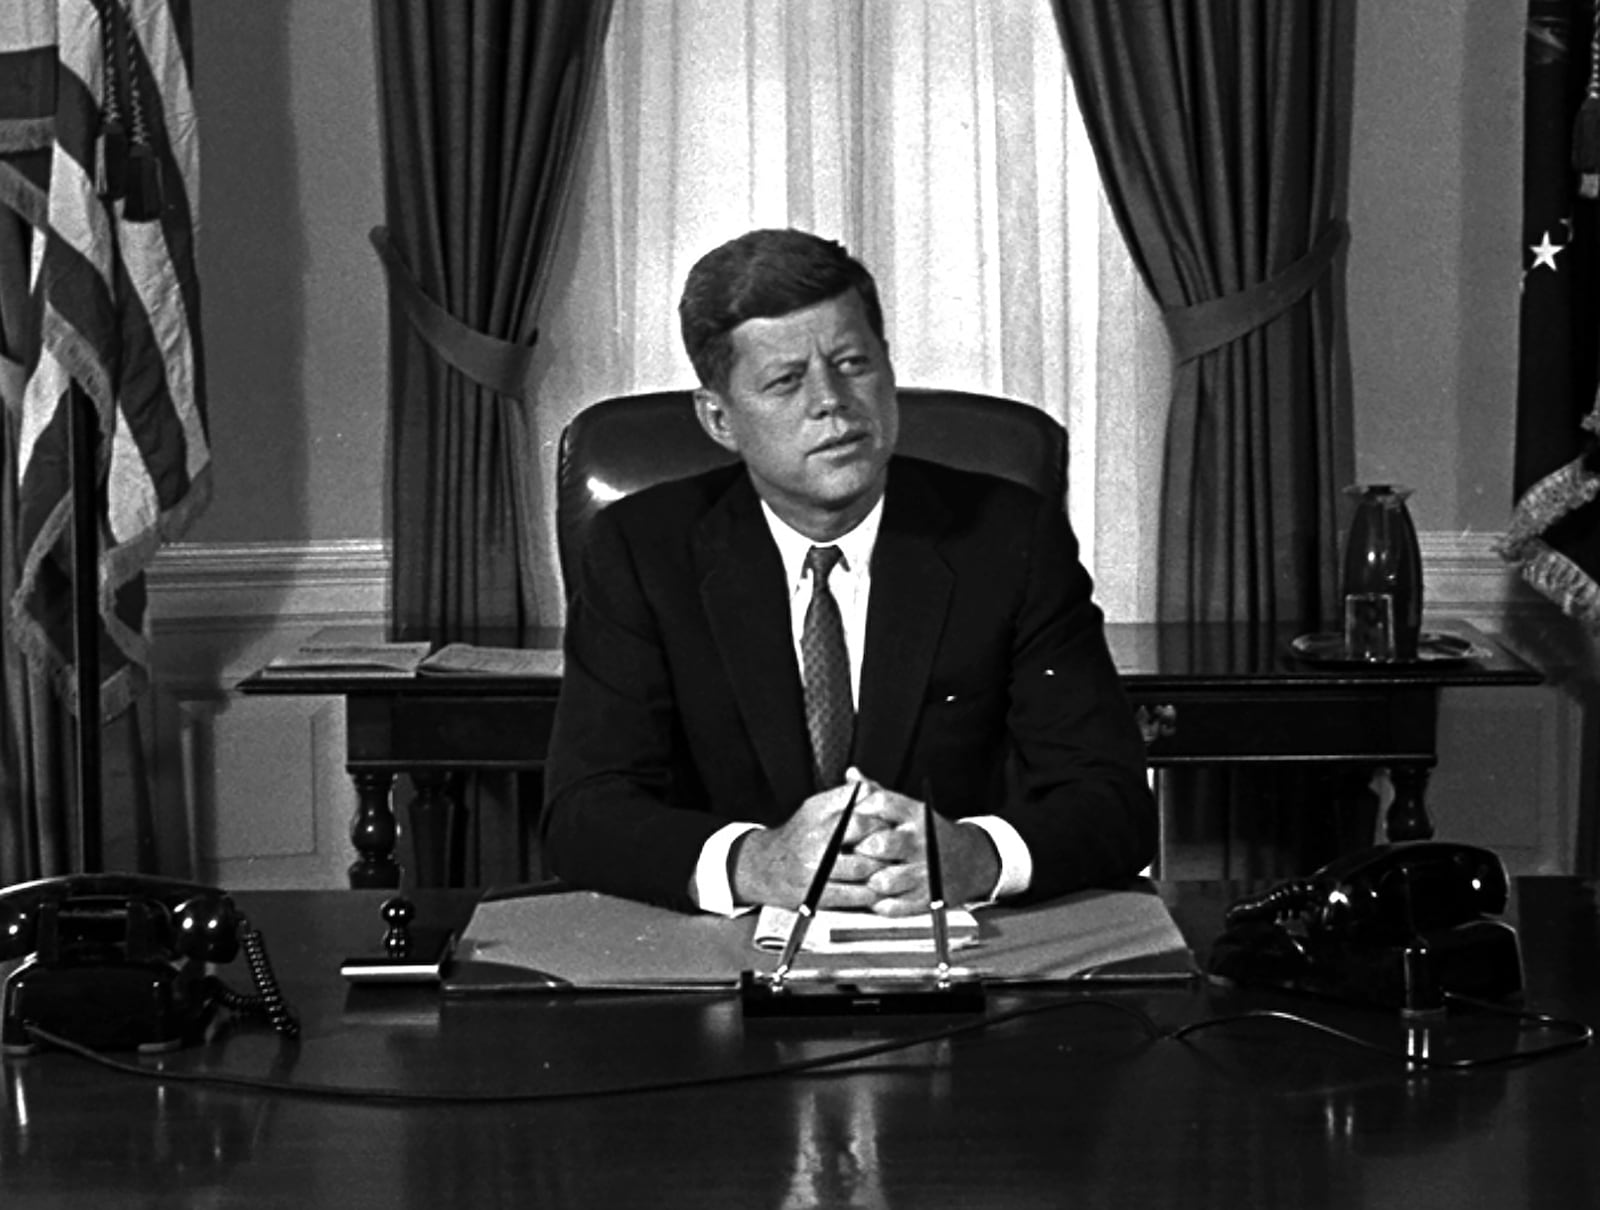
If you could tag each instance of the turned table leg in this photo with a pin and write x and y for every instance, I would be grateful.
(437, 829)
(372, 832)
(1408, 814)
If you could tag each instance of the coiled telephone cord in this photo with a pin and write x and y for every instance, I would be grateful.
(1286, 899)
(268, 1001)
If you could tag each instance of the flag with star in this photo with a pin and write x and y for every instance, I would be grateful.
(1555, 528)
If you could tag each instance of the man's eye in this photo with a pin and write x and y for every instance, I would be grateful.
(854, 363)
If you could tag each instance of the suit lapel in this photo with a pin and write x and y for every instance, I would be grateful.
(742, 591)
(911, 587)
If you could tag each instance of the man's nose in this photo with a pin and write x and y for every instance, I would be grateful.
(826, 393)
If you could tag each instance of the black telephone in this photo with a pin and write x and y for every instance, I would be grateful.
(1398, 925)
(119, 961)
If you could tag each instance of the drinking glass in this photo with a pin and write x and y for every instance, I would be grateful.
(1369, 626)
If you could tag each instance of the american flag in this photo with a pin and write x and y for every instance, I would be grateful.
(1554, 533)
(99, 157)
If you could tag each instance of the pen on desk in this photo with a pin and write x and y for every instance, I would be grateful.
(819, 882)
(936, 910)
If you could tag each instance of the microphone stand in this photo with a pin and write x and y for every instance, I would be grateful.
(889, 991)
(83, 438)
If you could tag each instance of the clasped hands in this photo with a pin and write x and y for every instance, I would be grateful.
(882, 866)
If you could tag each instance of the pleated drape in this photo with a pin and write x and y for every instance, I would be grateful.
(483, 103)
(1222, 132)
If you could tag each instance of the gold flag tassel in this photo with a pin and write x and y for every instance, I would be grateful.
(144, 197)
(1586, 130)
(111, 148)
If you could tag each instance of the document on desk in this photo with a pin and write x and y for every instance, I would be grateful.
(330, 652)
(837, 932)
(581, 940)
(467, 659)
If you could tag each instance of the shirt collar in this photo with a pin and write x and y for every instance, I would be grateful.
(856, 546)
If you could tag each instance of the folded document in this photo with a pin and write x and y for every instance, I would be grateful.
(581, 939)
(839, 932)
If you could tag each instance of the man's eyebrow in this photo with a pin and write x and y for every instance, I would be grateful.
(777, 363)
(852, 346)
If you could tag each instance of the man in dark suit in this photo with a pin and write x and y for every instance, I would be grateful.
(748, 648)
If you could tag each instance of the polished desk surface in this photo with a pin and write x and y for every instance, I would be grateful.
(1071, 1105)
(1202, 694)
(1199, 655)
(1147, 654)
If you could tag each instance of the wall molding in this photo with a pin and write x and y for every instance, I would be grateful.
(195, 584)
(347, 580)
(1463, 574)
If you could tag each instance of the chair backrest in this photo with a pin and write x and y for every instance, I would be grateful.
(616, 447)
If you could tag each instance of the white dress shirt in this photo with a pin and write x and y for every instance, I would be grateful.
(851, 585)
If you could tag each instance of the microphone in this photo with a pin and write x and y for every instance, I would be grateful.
(936, 904)
(819, 882)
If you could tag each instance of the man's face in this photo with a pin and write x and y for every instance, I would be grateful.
(811, 408)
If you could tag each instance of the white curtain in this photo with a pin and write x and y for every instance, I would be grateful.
(940, 141)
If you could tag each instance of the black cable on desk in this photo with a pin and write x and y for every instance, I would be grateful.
(824, 1064)
(1579, 1034)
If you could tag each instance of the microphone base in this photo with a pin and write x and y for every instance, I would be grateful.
(866, 997)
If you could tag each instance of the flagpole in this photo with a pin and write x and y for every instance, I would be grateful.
(83, 431)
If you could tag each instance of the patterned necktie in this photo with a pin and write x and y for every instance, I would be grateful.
(825, 667)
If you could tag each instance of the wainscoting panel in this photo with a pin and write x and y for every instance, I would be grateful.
(270, 791)
(267, 802)
(1503, 780)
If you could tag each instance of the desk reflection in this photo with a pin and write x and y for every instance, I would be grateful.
(1075, 1105)
(923, 1126)
(148, 1137)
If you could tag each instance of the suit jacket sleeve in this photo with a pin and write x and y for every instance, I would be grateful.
(1079, 797)
(624, 809)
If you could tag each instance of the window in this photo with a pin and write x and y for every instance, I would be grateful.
(940, 141)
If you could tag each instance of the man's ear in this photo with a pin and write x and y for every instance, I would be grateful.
(712, 412)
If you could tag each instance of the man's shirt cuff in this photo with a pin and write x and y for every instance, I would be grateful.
(713, 884)
(1016, 863)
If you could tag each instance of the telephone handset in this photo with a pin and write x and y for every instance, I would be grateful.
(1400, 925)
(118, 961)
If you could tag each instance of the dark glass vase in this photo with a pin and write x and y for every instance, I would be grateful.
(1382, 556)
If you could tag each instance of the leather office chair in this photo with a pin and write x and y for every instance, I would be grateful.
(618, 446)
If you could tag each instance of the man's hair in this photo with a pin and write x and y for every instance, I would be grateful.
(762, 275)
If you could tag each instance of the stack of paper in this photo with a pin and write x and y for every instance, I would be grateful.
(328, 653)
(466, 659)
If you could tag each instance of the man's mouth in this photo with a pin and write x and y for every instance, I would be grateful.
(844, 441)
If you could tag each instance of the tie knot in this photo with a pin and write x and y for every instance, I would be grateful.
(820, 560)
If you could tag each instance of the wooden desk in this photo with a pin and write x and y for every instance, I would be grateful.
(1212, 694)
(1069, 1106)
(1205, 694)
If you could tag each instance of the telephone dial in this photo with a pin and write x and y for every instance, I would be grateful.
(120, 961)
(1397, 925)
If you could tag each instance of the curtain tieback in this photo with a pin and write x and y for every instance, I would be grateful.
(497, 364)
(1209, 325)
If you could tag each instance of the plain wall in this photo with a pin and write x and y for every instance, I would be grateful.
(295, 321)
(292, 297)
(1435, 261)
